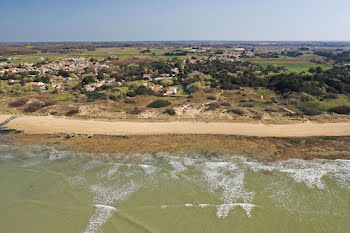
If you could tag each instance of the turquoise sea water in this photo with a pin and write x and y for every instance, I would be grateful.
(44, 190)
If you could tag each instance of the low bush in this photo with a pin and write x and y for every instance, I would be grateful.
(170, 112)
(72, 112)
(49, 102)
(211, 98)
(257, 117)
(33, 107)
(270, 110)
(129, 101)
(131, 94)
(113, 97)
(209, 90)
(17, 103)
(212, 106)
(225, 104)
(136, 111)
(247, 105)
(331, 96)
(159, 104)
(95, 95)
(343, 109)
(311, 108)
(311, 112)
(142, 90)
(237, 111)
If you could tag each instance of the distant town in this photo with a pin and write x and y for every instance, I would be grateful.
(45, 75)
(199, 80)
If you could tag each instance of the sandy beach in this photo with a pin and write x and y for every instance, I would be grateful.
(48, 125)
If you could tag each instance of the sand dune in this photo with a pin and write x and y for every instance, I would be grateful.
(48, 124)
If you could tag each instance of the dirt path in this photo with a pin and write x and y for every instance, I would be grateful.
(5, 122)
(285, 109)
(48, 124)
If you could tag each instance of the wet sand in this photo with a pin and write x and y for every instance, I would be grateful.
(52, 125)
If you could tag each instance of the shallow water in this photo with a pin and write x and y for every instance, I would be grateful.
(45, 190)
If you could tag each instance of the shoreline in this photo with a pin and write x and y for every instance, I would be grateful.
(260, 148)
(60, 125)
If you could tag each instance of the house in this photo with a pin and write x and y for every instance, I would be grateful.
(193, 61)
(157, 88)
(100, 83)
(147, 76)
(39, 84)
(164, 78)
(112, 80)
(57, 85)
(171, 91)
(164, 75)
(175, 70)
(89, 88)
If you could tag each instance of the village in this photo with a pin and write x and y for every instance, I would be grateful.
(91, 74)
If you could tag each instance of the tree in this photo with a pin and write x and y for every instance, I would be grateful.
(88, 79)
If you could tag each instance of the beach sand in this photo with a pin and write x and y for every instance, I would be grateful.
(49, 124)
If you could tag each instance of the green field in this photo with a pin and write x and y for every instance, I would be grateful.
(298, 64)
(295, 64)
(123, 53)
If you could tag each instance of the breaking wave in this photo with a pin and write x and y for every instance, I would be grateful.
(226, 179)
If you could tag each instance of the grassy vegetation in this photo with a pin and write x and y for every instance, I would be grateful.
(295, 64)
(330, 103)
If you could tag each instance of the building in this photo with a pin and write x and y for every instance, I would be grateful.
(171, 91)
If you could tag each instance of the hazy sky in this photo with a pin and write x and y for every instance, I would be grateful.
(115, 20)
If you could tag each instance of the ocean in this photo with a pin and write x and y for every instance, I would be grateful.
(46, 190)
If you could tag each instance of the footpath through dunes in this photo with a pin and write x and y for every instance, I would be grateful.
(49, 124)
(4, 117)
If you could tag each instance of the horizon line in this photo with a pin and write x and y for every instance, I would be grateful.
(135, 41)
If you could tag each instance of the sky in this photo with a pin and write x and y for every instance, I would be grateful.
(159, 20)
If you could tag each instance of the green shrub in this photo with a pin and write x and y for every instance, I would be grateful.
(159, 104)
(170, 112)
(113, 97)
(331, 96)
(94, 95)
(311, 108)
(131, 94)
(142, 90)
(343, 109)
